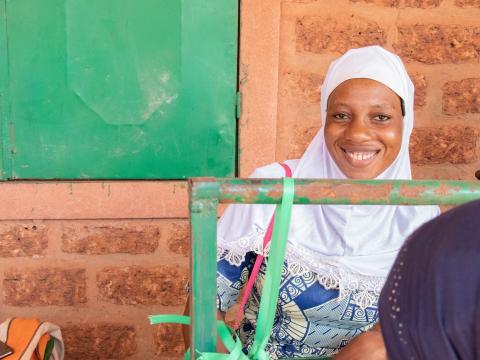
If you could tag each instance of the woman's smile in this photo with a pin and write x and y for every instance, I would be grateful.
(360, 157)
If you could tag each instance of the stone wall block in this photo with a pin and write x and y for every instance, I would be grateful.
(304, 86)
(110, 239)
(99, 341)
(468, 3)
(178, 239)
(447, 144)
(45, 286)
(420, 82)
(168, 340)
(22, 239)
(133, 285)
(461, 97)
(438, 44)
(319, 35)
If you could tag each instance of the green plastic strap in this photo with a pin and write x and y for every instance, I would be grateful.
(163, 319)
(271, 286)
(49, 348)
(226, 334)
(268, 304)
(234, 346)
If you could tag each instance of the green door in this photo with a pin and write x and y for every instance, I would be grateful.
(118, 89)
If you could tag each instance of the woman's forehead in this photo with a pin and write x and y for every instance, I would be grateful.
(364, 91)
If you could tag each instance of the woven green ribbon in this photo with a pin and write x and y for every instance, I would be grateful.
(268, 303)
(227, 336)
(271, 285)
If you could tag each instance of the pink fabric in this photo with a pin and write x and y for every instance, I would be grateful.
(259, 260)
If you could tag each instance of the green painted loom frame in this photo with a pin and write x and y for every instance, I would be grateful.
(207, 193)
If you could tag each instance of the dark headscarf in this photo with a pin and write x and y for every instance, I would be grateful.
(430, 305)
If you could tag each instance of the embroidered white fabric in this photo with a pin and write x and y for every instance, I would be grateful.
(364, 290)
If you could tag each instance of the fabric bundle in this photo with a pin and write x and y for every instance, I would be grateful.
(32, 339)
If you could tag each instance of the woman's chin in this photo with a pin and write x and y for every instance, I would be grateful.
(360, 173)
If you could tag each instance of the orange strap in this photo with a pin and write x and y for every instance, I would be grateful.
(42, 347)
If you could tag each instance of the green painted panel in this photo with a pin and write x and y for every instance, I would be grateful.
(118, 89)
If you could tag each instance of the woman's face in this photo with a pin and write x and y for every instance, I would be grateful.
(363, 129)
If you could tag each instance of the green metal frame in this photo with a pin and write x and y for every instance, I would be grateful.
(207, 193)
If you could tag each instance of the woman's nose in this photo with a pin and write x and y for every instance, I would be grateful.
(358, 130)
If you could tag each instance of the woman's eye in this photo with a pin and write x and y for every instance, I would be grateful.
(382, 117)
(341, 116)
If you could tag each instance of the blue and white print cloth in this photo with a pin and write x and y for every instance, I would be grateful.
(310, 320)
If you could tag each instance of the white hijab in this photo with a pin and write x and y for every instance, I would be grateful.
(350, 248)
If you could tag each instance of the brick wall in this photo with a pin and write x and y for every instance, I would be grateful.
(439, 40)
(99, 278)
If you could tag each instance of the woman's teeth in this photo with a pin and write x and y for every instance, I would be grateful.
(361, 155)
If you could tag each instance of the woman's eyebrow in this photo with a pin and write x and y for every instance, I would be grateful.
(340, 104)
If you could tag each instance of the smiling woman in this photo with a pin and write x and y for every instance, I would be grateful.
(337, 257)
(363, 130)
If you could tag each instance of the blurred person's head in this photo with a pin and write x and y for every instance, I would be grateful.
(430, 305)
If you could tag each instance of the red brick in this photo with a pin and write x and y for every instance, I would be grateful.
(22, 239)
(99, 341)
(110, 239)
(318, 35)
(420, 82)
(160, 285)
(178, 240)
(168, 340)
(438, 44)
(465, 3)
(461, 97)
(424, 4)
(303, 85)
(448, 144)
(45, 286)
(303, 137)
